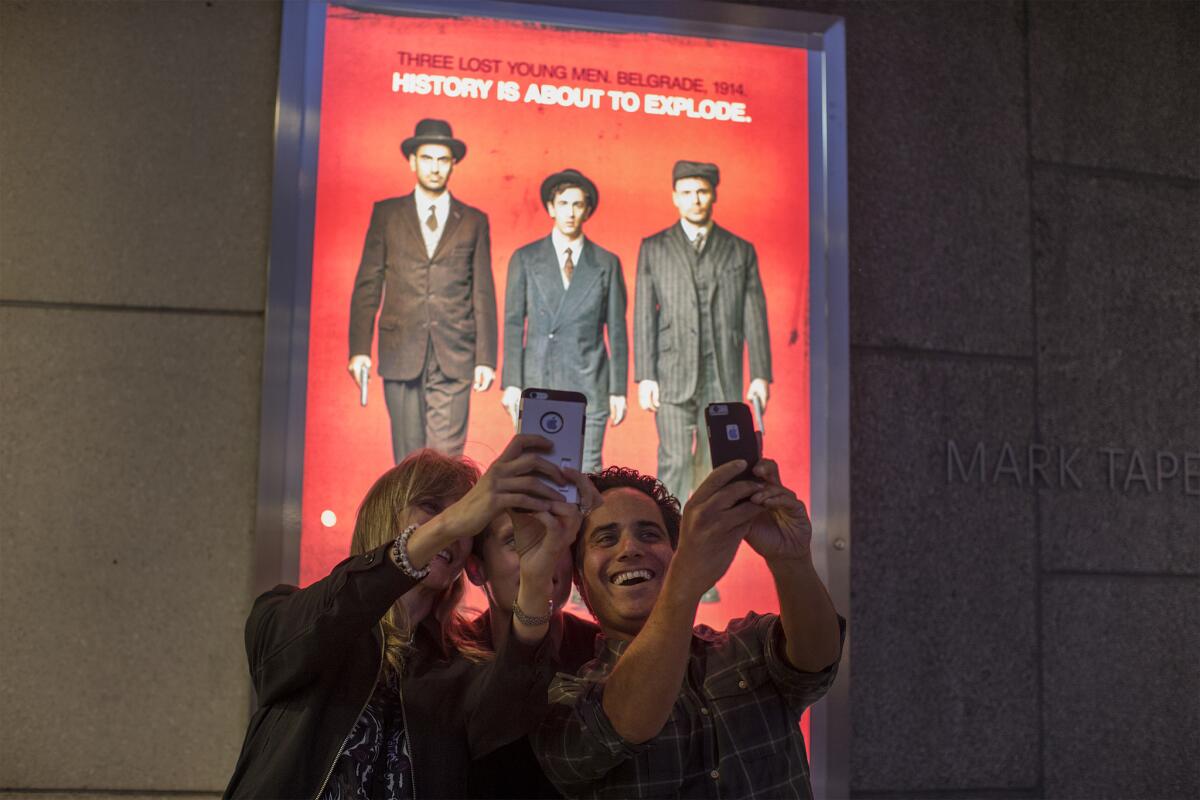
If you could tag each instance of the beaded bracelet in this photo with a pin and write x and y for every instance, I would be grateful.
(400, 555)
(533, 622)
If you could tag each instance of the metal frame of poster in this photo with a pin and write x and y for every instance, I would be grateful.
(294, 202)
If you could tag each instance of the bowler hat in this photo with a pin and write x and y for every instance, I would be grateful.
(696, 169)
(434, 131)
(574, 176)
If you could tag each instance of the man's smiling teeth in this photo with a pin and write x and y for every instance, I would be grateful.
(632, 576)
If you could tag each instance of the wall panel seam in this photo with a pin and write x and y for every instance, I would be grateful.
(1038, 571)
(1082, 573)
(92, 792)
(69, 306)
(976, 793)
(1128, 175)
(906, 352)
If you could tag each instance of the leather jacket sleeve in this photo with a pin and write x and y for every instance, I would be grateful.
(508, 694)
(293, 635)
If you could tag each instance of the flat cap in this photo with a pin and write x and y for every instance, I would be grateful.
(696, 169)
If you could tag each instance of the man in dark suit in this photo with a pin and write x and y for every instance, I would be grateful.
(699, 301)
(437, 329)
(570, 290)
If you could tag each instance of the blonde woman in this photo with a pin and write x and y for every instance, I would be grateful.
(361, 693)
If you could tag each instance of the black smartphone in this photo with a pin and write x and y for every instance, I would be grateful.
(731, 435)
(558, 416)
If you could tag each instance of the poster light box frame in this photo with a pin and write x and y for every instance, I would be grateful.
(285, 365)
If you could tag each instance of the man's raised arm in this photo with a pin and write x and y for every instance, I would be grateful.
(783, 537)
(645, 682)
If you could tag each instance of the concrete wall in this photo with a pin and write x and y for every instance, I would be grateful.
(135, 165)
(1024, 200)
(1025, 255)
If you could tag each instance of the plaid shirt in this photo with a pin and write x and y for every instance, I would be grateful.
(734, 731)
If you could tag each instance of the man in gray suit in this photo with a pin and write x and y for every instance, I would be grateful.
(437, 329)
(570, 291)
(699, 300)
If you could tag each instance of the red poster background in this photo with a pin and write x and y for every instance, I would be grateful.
(763, 197)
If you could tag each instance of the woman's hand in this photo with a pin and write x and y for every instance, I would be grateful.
(511, 483)
(543, 537)
(543, 542)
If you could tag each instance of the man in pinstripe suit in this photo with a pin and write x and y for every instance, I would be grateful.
(699, 300)
(564, 292)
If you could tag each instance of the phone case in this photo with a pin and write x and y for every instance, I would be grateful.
(559, 416)
(731, 435)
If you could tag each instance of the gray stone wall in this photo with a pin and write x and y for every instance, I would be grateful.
(135, 184)
(1025, 269)
(1025, 209)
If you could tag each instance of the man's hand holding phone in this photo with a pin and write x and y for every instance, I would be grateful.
(715, 520)
(783, 531)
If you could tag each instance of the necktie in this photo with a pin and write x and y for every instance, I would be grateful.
(698, 242)
(569, 266)
(431, 223)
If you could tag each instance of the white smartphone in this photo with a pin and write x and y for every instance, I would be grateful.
(558, 416)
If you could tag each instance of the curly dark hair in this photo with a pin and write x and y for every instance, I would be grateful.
(628, 478)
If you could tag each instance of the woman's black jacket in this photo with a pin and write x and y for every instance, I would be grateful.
(315, 655)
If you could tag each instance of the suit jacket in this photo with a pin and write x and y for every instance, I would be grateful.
(666, 313)
(450, 298)
(563, 346)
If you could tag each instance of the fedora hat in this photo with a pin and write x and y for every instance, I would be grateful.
(576, 177)
(434, 131)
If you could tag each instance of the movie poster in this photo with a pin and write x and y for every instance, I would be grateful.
(528, 100)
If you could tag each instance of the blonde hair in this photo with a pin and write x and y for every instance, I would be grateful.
(423, 476)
